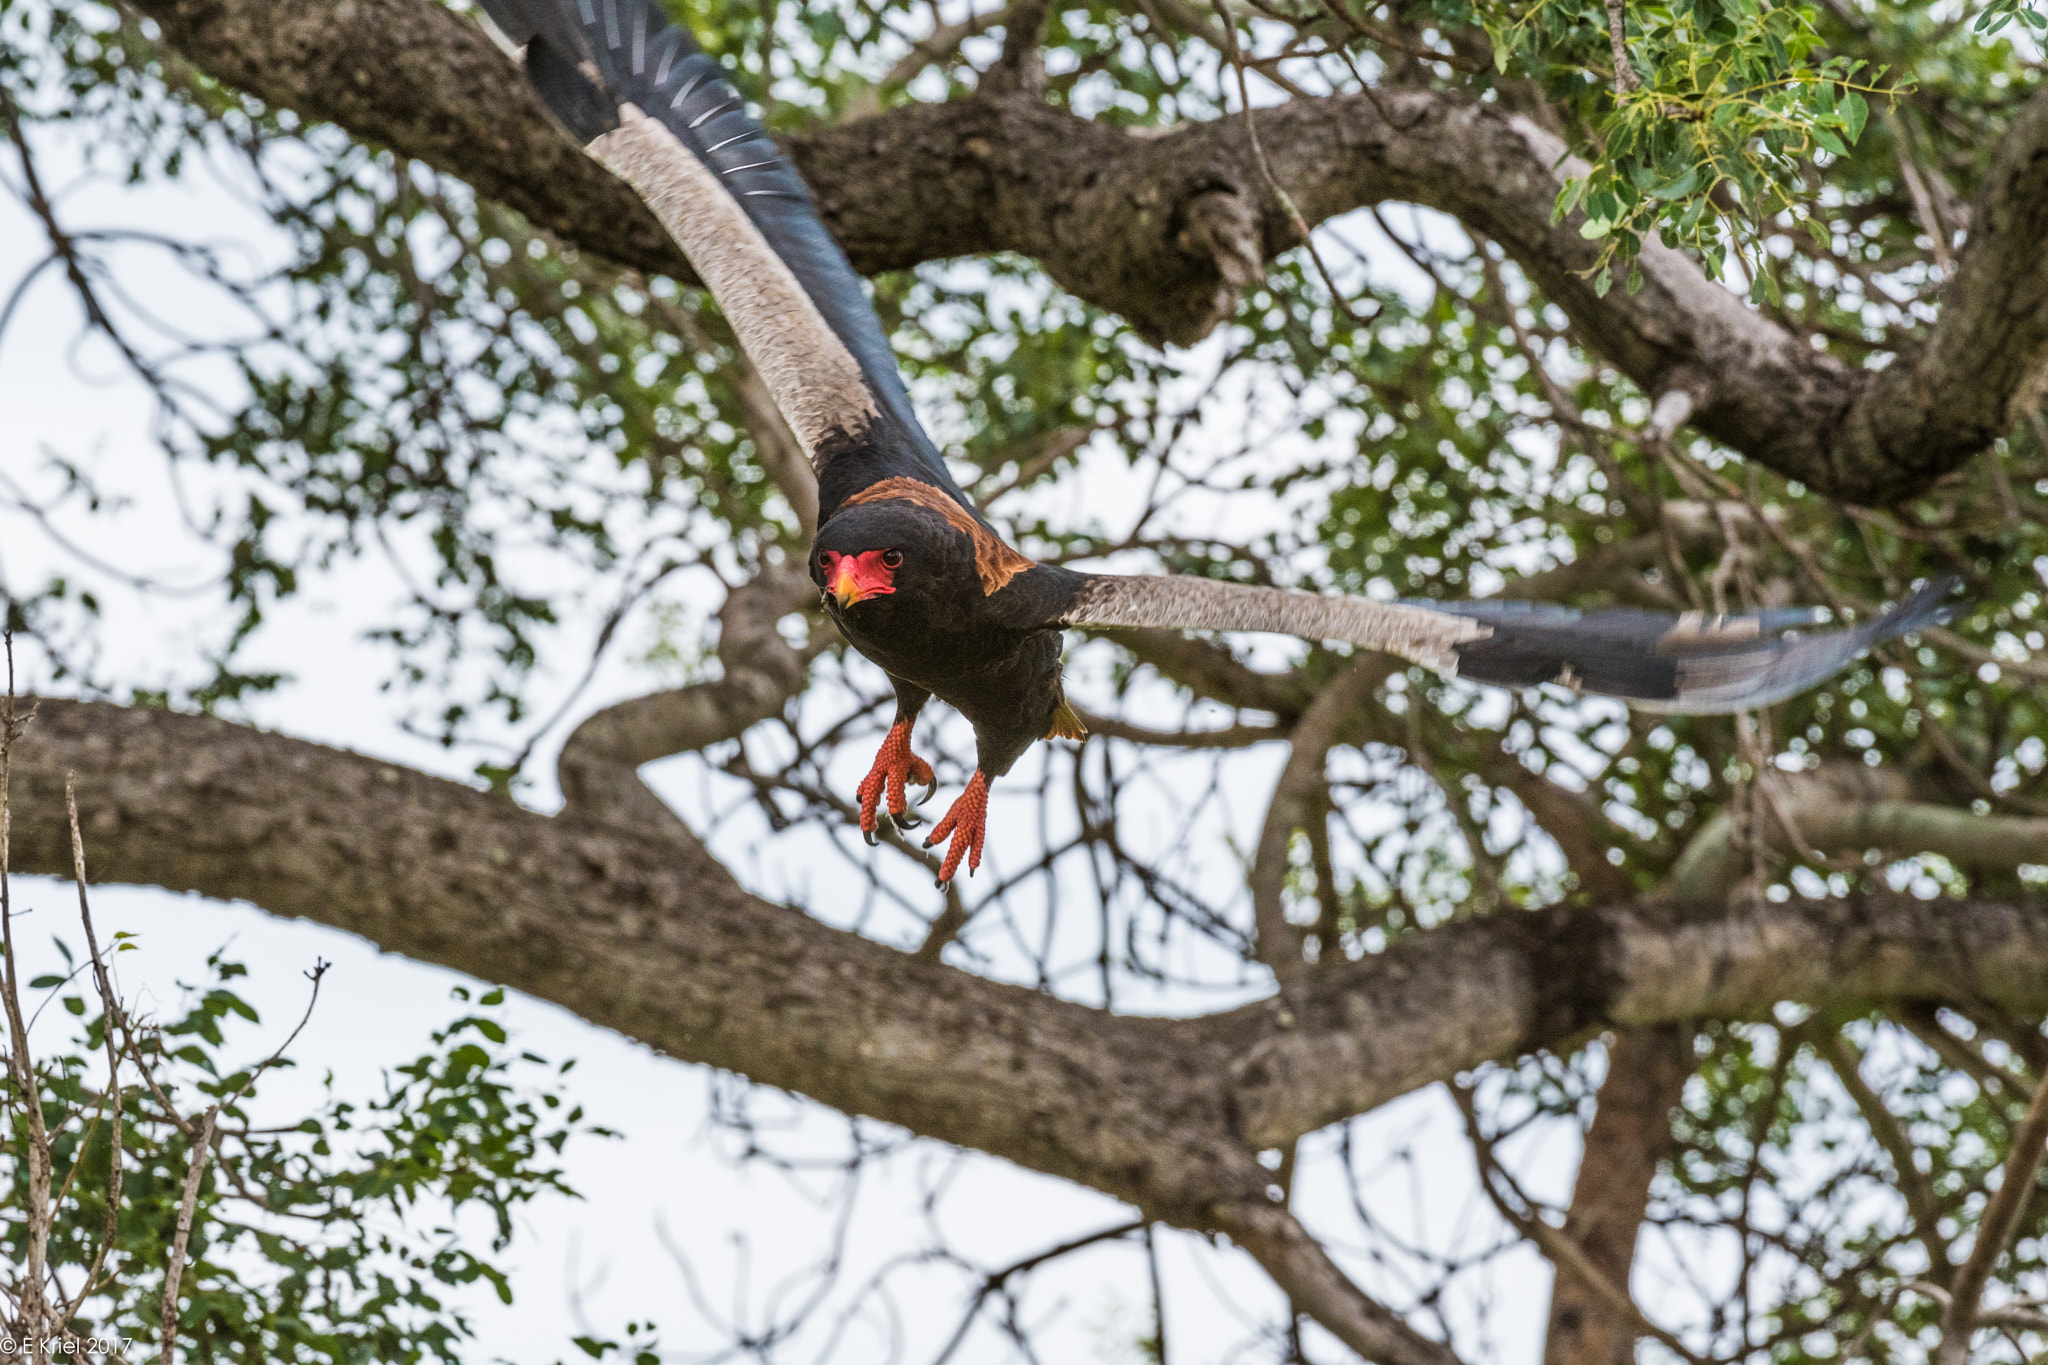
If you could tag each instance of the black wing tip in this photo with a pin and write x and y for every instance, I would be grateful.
(585, 110)
(1619, 653)
(558, 64)
(513, 18)
(1929, 605)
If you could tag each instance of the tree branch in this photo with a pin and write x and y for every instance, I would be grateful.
(1831, 820)
(1365, 1032)
(600, 762)
(1168, 230)
(646, 934)
(635, 931)
(1960, 1315)
(1630, 1134)
(1316, 1286)
(1020, 70)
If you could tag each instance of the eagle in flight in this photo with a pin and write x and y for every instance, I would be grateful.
(909, 569)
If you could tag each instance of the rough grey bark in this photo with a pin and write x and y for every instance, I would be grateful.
(1168, 230)
(1368, 1031)
(649, 935)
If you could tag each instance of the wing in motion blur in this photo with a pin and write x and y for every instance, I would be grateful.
(1689, 664)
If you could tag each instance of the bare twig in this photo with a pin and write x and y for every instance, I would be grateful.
(1916, 187)
(995, 1280)
(1921, 1202)
(1319, 730)
(195, 1168)
(1552, 1242)
(27, 1085)
(1273, 186)
(1316, 1286)
(316, 973)
(1626, 80)
(1962, 1315)
(110, 1021)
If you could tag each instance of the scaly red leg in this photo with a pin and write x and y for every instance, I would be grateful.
(967, 824)
(895, 767)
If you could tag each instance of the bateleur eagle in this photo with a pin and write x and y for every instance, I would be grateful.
(915, 576)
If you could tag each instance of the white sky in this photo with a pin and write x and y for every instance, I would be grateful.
(594, 1264)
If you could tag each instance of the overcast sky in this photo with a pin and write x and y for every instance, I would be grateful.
(671, 1180)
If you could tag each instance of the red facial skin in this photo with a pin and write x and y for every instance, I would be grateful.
(852, 579)
(855, 578)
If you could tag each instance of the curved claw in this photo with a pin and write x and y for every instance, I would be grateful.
(883, 788)
(931, 790)
(906, 820)
(870, 836)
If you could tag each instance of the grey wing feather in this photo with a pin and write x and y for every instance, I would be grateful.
(1178, 602)
(1688, 664)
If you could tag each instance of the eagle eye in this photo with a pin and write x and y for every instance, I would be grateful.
(892, 559)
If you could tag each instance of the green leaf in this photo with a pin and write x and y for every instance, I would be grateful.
(1828, 140)
(1595, 228)
(1679, 188)
(45, 982)
(1568, 198)
(1855, 113)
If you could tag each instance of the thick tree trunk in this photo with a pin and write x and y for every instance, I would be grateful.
(1630, 1134)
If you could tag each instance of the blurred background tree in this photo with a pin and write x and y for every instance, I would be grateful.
(1707, 305)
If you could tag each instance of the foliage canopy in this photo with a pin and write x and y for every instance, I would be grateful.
(553, 466)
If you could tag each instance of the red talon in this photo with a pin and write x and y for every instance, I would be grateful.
(968, 820)
(895, 767)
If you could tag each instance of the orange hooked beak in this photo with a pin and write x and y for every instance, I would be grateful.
(845, 583)
(855, 578)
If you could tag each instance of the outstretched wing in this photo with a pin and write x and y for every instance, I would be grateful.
(1687, 664)
(659, 113)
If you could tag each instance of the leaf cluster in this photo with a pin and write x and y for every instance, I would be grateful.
(341, 1235)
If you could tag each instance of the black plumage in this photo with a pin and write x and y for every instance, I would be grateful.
(915, 576)
(588, 57)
